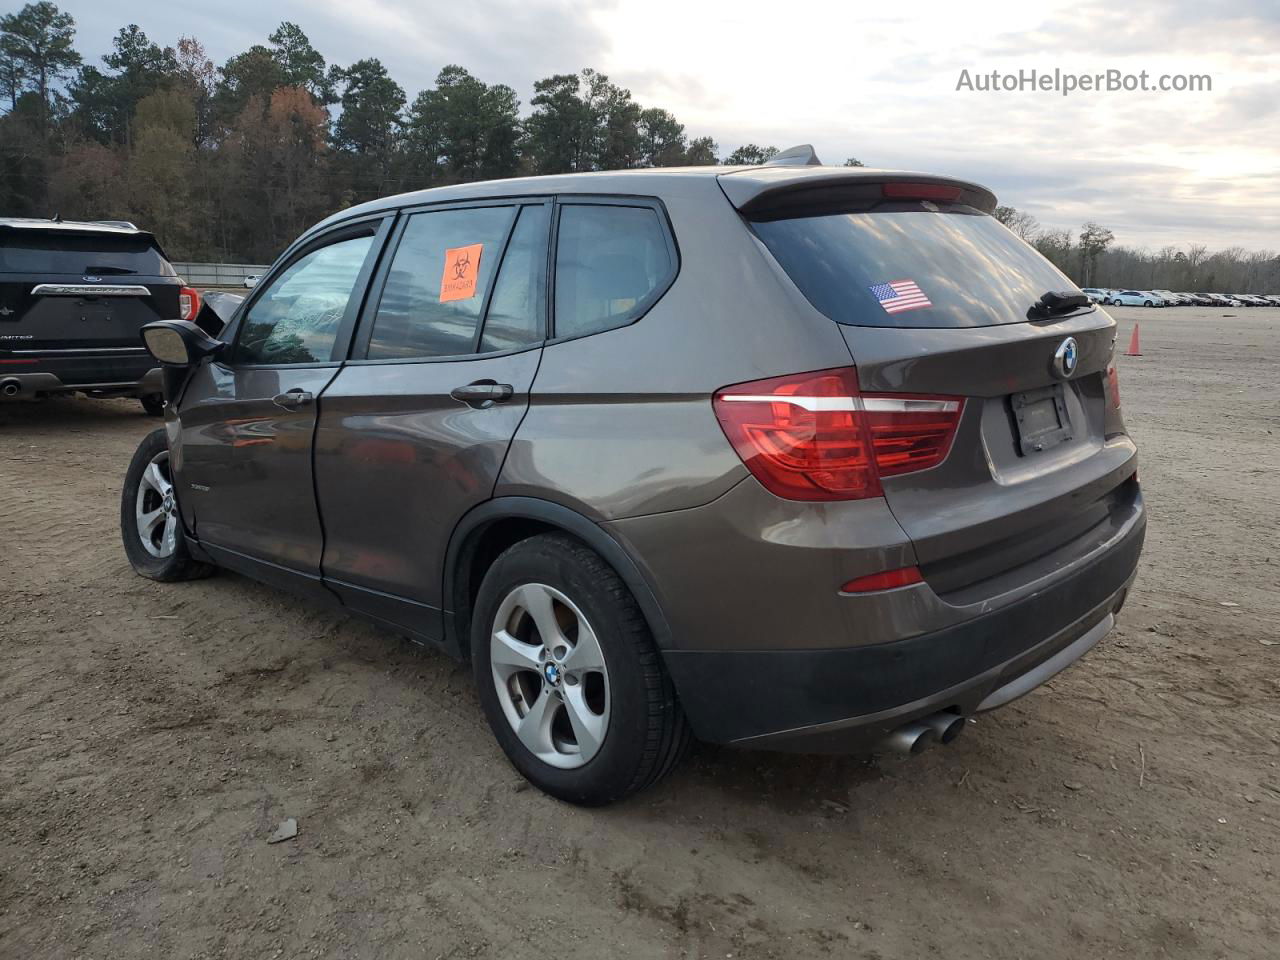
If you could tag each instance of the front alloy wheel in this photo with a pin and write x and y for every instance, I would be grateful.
(550, 675)
(150, 524)
(156, 512)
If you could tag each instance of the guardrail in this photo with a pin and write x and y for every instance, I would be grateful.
(219, 274)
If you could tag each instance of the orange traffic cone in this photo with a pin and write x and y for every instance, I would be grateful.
(1134, 350)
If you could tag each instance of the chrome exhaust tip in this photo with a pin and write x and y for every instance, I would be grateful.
(946, 725)
(911, 738)
(11, 388)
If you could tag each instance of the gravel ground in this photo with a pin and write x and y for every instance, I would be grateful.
(155, 736)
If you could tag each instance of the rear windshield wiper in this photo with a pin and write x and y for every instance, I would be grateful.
(104, 269)
(1056, 302)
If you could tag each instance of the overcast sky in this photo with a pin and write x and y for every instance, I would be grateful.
(1157, 167)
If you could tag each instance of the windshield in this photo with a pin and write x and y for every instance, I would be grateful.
(80, 254)
(912, 265)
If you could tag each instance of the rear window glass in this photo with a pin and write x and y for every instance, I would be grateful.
(912, 265)
(515, 312)
(436, 287)
(81, 254)
(611, 263)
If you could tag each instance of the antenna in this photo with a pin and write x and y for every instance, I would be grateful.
(801, 156)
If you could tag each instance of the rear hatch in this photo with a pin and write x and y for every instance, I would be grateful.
(68, 292)
(935, 298)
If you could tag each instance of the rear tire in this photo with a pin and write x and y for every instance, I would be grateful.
(153, 404)
(578, 699)
(150, 525)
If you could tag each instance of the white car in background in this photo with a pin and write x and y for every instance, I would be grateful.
(1096, 294)
(251, 280)
(1135, 298)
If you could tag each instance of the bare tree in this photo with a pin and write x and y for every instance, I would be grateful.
(1023, 224)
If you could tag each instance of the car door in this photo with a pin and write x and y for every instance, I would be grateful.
(414, 429)
(248, 419)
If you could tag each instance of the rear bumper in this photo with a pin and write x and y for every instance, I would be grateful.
(129, 376)
(844, 699)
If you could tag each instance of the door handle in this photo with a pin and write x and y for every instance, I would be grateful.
(292, 399)
(483, 393)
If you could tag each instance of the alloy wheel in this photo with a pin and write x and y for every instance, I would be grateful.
(550, 674)
(156, 510)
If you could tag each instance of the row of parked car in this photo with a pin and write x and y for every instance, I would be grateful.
(1167, 298)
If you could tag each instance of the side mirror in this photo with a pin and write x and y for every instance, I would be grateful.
(179, 343)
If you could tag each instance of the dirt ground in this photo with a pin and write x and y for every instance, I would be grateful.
(154, 736)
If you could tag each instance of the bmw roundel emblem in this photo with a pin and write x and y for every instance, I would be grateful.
(1066, 357)
(552, 673)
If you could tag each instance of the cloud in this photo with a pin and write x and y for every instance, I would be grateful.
(508, 41)
(501, 41)
(867, 82)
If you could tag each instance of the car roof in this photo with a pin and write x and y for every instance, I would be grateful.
(81, 228)
(122, 228)
(745, 186)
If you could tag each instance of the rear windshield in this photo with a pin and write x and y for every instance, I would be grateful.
(912, 265)
(81, 254)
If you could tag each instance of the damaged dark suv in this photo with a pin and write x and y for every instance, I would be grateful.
(73, 296)
(784, 457)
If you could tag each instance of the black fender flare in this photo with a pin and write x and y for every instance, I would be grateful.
(468, 529)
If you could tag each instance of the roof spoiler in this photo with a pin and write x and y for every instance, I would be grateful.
(801, 156)
(761, 193)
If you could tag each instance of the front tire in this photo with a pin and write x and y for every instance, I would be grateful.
(1147, 303)
(150, 525)
(568, 674)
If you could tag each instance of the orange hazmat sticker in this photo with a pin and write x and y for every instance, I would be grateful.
(461, 267)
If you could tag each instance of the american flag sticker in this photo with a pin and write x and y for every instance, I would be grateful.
(898, 296)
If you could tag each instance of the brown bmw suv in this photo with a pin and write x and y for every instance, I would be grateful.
(787, 457)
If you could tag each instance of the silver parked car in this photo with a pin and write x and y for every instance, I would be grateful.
(1136, 298)
(784, 457)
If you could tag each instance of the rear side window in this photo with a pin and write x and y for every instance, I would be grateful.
(107, 255)
(912, 265)
(514, 318)
(296, 319)
(612, 263)
(440, 275)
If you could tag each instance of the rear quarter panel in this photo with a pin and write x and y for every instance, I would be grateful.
(620, 423)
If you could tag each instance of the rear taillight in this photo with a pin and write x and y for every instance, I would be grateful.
(188, 303)
(1113, 385)
(816, 436)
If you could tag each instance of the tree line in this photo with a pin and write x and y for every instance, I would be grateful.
(1092, 259)
(231, 162)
